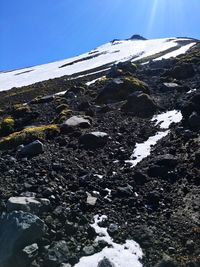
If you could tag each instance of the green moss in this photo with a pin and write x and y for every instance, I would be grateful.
(27, 135)
(19, 110)
(7, 125)
(63, 115)
(118, 90)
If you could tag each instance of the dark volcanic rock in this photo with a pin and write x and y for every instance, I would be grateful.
(140, 105)
(119, 89)
(183, 71)
(94, 139)
(30, 150)
(57, 253)
(18, 230)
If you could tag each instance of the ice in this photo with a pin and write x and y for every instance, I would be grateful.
(120, 255)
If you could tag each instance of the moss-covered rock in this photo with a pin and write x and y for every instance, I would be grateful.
(7, 125)
(140, 105)
(119, 89)
(28, 135)
(20, 110)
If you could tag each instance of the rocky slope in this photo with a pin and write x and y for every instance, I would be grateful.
(66, 158)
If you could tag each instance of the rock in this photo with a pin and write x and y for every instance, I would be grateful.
(44, 99)
(75, 122)
(119, 89)
(29, 253)
(166, 262)
(140, 105)
(170, 87)
(157, 171)
(167, 160)
(94, 139)
(105, 263)
(183, 71)
(28, 204)
(88, 250)
(57, 253)
(30, 150)
(124, 191)
(194, 121)
(113, 229)
(91, 200)
(18, 230)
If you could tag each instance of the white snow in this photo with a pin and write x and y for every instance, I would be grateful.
(120, 255)
(177, 52)
(191, 91)
(164, 120)
(143, 150)
(106, 54)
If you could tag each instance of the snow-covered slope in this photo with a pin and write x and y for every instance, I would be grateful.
(102, 56)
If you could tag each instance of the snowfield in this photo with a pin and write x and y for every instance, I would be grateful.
(106, 54)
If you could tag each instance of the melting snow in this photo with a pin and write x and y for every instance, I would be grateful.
(106, 54)
(177, 52)
(164, 120)
(144, 149)
(120, 255)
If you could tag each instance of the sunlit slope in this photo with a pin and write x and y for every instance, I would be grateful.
(103, 56)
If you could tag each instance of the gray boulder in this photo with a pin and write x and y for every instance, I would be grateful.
(30, 150)
(18, 230)
(194, 120)
(28, 204)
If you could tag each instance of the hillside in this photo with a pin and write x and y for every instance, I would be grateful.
(100, 159)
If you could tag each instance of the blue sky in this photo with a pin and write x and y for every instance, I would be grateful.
(34, 32)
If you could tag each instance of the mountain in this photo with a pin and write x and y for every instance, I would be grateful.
(100, 158)
(98, 59)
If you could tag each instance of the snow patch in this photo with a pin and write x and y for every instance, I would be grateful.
(164, 120)
(120, 255)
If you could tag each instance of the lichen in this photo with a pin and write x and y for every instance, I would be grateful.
(27, 135)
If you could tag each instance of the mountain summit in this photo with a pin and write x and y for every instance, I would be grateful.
(100, 158)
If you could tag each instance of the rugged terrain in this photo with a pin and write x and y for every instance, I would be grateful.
(79, 174)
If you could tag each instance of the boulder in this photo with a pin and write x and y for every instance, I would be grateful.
(75, 122)
(183, 71)
(57, 254)
(94, 139)
(167, 160)
(140, 104)
(18, 230)
(33, 149)
(120, 88)
(171, 86)
(29, 204)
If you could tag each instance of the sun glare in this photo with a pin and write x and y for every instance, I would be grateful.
(162, 11)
